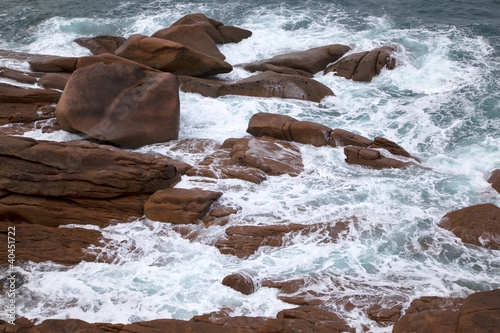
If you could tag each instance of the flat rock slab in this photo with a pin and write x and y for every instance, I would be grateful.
(15, 94)
(177, 205)
(56, 211)
(80, 169)
(38, 243)
(478, 225)
(25, 112)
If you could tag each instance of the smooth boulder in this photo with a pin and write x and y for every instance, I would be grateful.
(494, 180)
(101, 44)
(170, 56)
(240, 282)
(121, 104)
(305, 63)
(178, 205)
(363, 66)
(371, 158)
(478, 225)
(192, 36)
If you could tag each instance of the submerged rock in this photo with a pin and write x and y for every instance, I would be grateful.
(478, 225)
(178, 205)
(363, 66)
(304, 63)
(171, 57)
(121, 104)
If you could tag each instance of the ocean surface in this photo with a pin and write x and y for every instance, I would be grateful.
(441, 103)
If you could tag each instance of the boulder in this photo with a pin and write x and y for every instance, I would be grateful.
(250, 160)
(220, 33)
(120, 104)
(304, 63)
(345, 138)
(312, 319)
(54, 80)
(494, 180)
(110, 59)
(267, 84)
(25, 112)
(38, 243)
(18, 129)
(171, 57)
(192, 36)
(182, 206)
(240, 282)
(15, 94)
(371, 158)
(54, 64)
(56, 211)
(19, 76)
(270, 124)
(431, 314)
(480, 312)
(80, 169)
(478, 225)
(363, 66)
(101, 44)
(243, 241)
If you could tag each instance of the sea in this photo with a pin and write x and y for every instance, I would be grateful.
(441, 103)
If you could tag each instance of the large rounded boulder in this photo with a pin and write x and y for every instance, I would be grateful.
(120, 104)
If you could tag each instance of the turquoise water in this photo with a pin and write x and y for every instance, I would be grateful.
(441, 103)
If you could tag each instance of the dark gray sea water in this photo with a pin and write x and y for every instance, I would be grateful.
(441, 103)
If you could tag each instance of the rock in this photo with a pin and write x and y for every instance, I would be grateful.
(480, 312)
(430, 314)
(110, 59)
(216, 30)
(243, 241)
(390, 146)
(240, 282)
(363, 66)
(120, 104)
(177, 205)
(38, 243)
(384, 316)
(19, 76)
(312, 319)
(346, 138)
(54, 64)
(219, 215)
(272, 156)
(20, 324)
(267, 84)
(171, 57)
(371, 158)
(478, 225)
(14, 94)
(494, 180)
(270, 124)
(25, 112)
(251, 160)
(101, 44)
(54, 80)
(173, 325)
(44, 126)
(304, 63)
(56, 211)
(80, 169)
(192, 36)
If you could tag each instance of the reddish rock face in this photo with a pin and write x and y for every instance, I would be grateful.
(177, 205)
(101, 44)
(39, 243)
(220, 33)
(121, 104)
(25, 112)
(240, 282)
(480, 312)
(56, 211)
(478, 225)
(192, 36)
(80, 169)
(169, 56)
(371, 158)
(14, 94)
(54, 80)
(304, 63)
(363, 66)
(494, 180)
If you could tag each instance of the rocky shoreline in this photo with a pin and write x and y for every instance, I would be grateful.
(126, 96)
